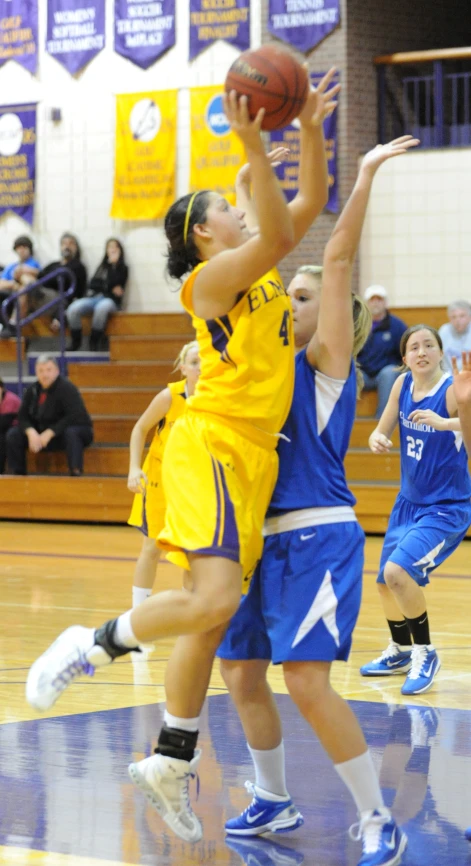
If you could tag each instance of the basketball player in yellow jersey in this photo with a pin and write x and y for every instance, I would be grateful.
(220, 462)
(148, 510)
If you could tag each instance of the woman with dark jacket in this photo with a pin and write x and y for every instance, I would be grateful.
(104, 297)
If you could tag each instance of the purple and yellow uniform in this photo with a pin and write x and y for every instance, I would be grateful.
(220, 464)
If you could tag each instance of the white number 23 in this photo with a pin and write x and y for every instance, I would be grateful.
(414, 447)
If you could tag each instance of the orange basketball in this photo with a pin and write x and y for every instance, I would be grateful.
(272, 79)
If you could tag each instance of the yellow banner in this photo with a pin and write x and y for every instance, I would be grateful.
(216, 152)
(146, 146)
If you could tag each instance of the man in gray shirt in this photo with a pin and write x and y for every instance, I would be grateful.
(456, 334)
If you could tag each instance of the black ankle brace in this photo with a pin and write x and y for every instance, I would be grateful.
(175, 743)
(104, 636)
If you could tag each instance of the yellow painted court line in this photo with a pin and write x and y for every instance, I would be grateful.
(11, 856)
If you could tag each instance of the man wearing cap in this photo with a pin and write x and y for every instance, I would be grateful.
(380, 357)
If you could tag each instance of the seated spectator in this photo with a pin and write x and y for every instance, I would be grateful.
(104, 297)
(9, 406)
(380, 357)
(70, 258)
(456, 334)
(52, 417)
(15, 276)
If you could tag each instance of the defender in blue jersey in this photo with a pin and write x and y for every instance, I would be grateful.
(305, 596)
(432, 512)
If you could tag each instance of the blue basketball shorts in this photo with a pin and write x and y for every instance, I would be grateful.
(304, 598)
(421, 537)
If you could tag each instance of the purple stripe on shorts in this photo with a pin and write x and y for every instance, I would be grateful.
(218, 502)
(230, 538)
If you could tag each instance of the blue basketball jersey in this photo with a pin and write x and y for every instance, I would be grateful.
(434, 463)
(317, 431)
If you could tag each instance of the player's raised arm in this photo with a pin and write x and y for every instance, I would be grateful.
(462, 388)
(331, 347)
(243, 187)
(313, 188)
(235, 259)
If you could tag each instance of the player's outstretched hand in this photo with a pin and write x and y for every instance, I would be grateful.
(137, 481)
(374, 158)
(379, 443)
(237, 112)
(320, 102)
(275, 158)
(462, 378)
(426, 416)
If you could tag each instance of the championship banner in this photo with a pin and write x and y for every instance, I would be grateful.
(144, 30)
(303, 23)
(18, 160)
(146, 147)
(211, 20)
(19, 32)
(289, 136)
(75, 31)
(216, 152)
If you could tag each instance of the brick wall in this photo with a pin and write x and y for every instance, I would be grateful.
(368, 28)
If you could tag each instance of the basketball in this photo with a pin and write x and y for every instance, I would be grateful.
(272, 79)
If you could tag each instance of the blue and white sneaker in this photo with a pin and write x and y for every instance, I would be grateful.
(424, 668)
(278, 815)
(392, 661)
(383, 841)
(261, 852)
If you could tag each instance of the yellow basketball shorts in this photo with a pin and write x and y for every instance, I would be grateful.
(148, 509)
(218, 485)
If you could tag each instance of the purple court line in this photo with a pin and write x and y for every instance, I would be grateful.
(72, 556)
(100, 683)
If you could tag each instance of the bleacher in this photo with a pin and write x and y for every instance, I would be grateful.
(141, 355)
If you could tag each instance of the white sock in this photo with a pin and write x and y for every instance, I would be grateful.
(124, 635)
(361, 779)
(139, 594)
(183, 724)
(270, 769)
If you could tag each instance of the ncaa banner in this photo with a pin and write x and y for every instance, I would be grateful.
(75, 31)
(146, 146)
(216, 152)
(303, 23)
(289, 136)
(19, 32)
(144, 30)
(211, 20)
(18, 160)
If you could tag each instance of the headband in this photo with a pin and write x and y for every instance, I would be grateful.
(187, 217)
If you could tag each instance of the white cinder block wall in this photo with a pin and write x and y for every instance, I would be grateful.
(417, 236)
(75, 158)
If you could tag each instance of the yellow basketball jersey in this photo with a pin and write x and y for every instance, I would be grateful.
(247, 355)
(178, 392)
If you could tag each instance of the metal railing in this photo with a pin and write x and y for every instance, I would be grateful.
(63, 275)
(434, 105)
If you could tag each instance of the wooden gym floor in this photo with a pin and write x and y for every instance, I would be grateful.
(65, 799)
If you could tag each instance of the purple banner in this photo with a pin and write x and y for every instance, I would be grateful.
(18, 160)
(144, 30)
(75, 31)
(211, 20)
(19, 32)
(303, 23)
(289, 136)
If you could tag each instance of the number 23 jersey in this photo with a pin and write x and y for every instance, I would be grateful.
(247, 356)
(434, 463)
